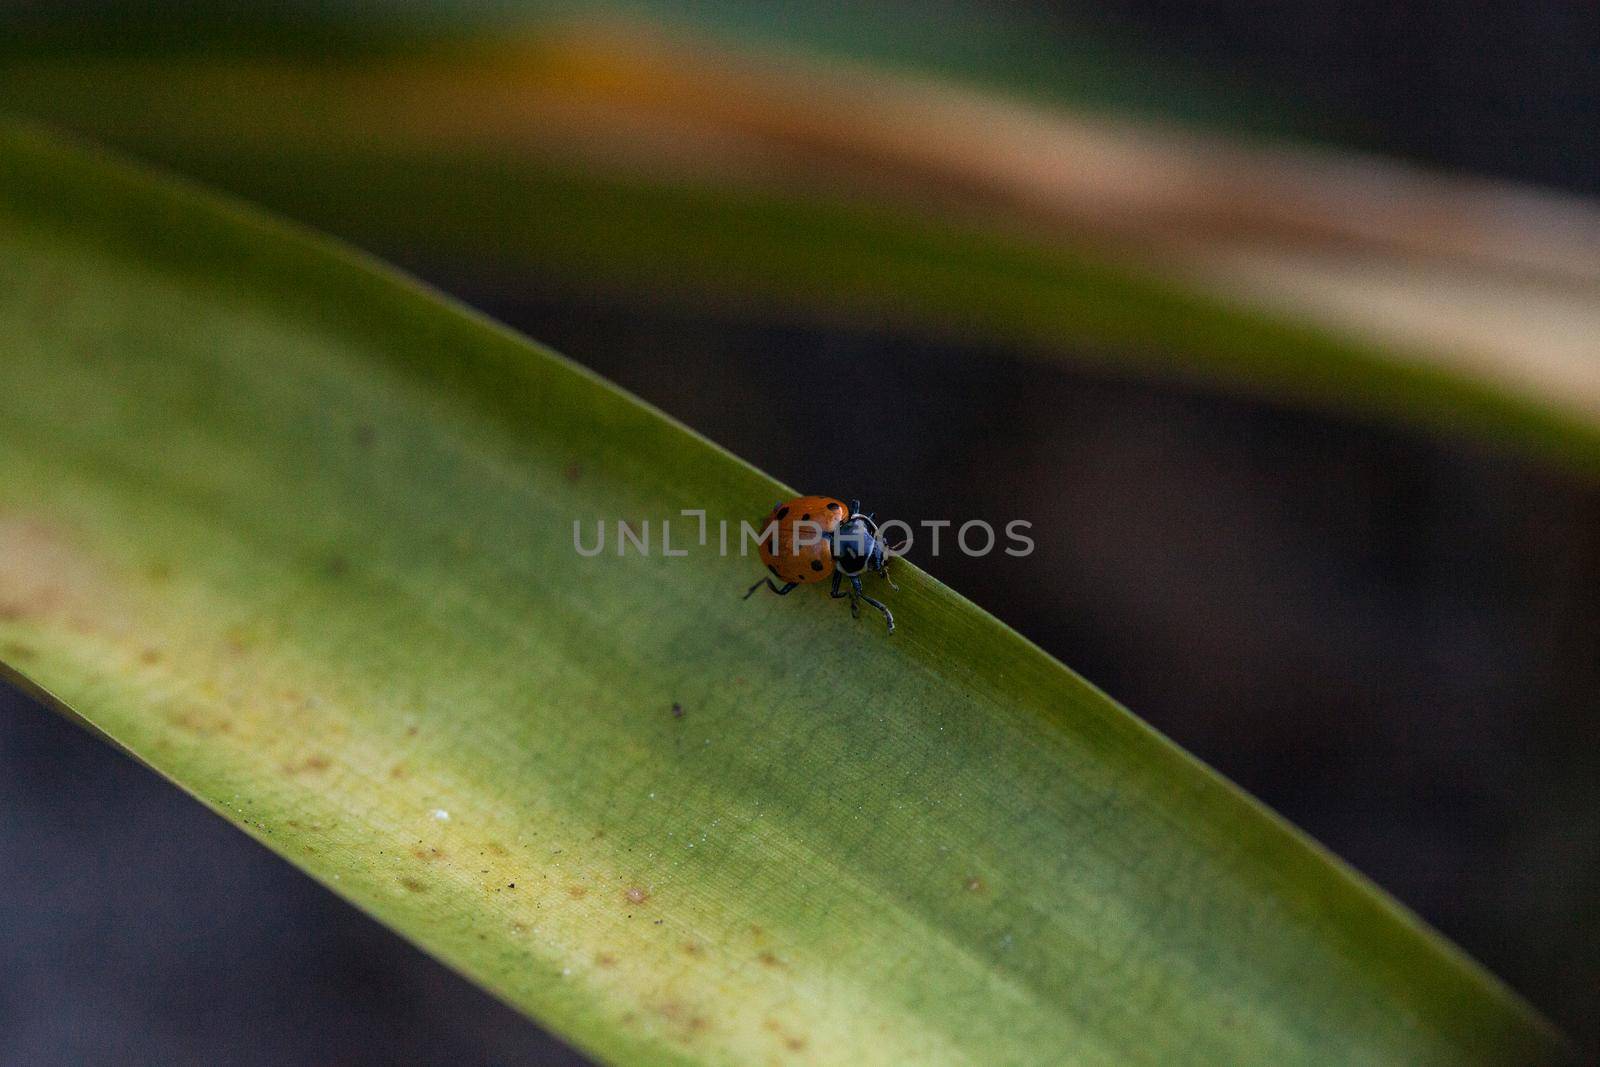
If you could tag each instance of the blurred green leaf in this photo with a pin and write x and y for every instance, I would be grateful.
(1059, 58)
(300, 535)
(514, 160)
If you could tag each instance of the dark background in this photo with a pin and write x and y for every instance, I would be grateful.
(1505, 89)
(1392, 637)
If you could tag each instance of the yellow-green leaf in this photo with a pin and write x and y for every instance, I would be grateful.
(299, 535)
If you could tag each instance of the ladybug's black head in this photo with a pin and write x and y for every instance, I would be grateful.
(856, 547)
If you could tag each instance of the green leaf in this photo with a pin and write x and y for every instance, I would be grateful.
(299, 535)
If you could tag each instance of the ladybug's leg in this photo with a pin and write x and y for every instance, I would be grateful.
(837, 594)
(888, 616)
(785, 591)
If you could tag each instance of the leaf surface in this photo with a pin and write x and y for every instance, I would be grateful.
(299, 535)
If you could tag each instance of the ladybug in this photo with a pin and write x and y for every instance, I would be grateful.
(814, 538)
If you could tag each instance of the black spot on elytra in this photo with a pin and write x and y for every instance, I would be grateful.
(806, 517)
(816, 564)
(833, 505)
(782, 512)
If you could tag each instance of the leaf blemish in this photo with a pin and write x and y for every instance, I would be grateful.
(413, 885)
(315, 763)
(675, 1012)
(198, 723)
(793, 1042)
(636, 895)
(577, 892)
